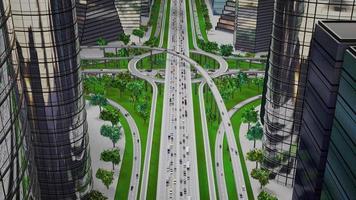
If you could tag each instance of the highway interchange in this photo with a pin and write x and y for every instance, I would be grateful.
(178, 174)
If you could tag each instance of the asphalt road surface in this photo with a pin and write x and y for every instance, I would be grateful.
(178, 175)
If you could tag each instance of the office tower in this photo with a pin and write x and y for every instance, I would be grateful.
(218, 6)
(145, 8)
(340, 170)
(97, 19)
(281, 112)
(253, 25)
(16, 159)
(327, 50)
(48, 48)
(129, 13)
(227, 18)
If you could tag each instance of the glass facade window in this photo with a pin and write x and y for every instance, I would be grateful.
(48, 48)
(293, 26)
(16, 158)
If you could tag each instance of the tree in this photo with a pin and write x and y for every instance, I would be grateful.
(98, 100)
(249, 116)
(139, 33)
(226, 50)
(262, 175)
(111, 155)
(111, 132)
(258, 82)
(110, 114)
(142, 109)
(135, 89)
(266, 196)
(255, 155)
(96, 195)
(124, 38)
(105, 176)
(242, 78)
(255, 133)
(101, 42)
(94, 85)
(120, 84)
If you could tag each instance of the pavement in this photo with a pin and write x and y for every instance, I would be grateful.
(279, 190)
(101, 143)
(135, 174)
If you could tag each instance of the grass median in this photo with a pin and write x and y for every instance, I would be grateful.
(156, 141)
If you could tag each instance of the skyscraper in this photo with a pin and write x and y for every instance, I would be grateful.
(326, 61)
(48, 48)
(16, 159)
(252, 25)
(282, 103)
(340, 174)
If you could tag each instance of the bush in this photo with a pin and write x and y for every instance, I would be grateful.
(105, 176)
(266, 196)
(96, 195)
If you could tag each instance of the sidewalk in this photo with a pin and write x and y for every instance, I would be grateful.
(281, 192)
(100, 143)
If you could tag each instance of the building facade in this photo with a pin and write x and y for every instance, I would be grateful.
(340, 171)
(326, 58)
(48, 47)
(282, 103)
(218, 6)
(97, 19)
(16, 158)
(130, 13)
(252, 27)
(227, 18)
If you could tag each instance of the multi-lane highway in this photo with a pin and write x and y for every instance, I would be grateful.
(178, 176)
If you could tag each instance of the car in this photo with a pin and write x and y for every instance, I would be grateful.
(243, 188)
(241, 196)
(131, 188)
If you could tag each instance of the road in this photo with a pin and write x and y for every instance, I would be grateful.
(207, 150)
(178, 176)
(135, 174)
(219, 164)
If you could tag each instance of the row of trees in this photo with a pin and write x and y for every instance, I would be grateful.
(213, 47)
(254, 133)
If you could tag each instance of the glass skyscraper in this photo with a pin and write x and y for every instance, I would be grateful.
(293, 26)
(48, 48)
(16, 158)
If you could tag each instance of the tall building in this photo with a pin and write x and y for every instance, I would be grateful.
(282, 103)
(326, 61)
(129, 13)
(252, 26)
(340, 170)
(97, 19)
(48, 47)
(16, 158)
(227, 18)
(218, 6)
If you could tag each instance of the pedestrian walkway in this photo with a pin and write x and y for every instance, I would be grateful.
(282, 192)
(101, 143)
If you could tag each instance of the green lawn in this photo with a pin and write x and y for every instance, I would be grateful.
(112, 64)
(166, 28)
(201, 19)
(154, 16)
(154, 163)
(236, 123)
(204, 61)
(202, 170)
(123, 100)
(244, 65)
(157, 61)
(123, 185)
(189, 24)
(245, 93)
